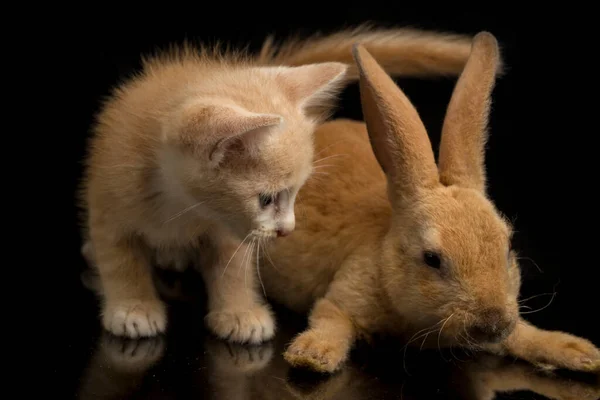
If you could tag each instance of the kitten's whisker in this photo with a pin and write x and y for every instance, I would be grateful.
(325, 158)
(326, 147)
(258, 268)
(247, 264)
(185, 210)
(266, 251)
(301, 205)
(323, 166)
(243, 263)
(243, 260)
(236, 250)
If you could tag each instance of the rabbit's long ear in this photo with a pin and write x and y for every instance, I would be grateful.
(397, 134)
(461, 158)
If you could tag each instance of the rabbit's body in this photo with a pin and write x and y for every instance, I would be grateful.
(340, 227)
(389, 242)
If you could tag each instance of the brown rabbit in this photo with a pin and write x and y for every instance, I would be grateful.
(390, 243)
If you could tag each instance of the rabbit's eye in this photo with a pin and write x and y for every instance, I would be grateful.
(432, 259)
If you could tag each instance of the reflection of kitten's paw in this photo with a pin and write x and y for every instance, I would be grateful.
(255, 325)
(234, 357)
(315, 351)
(132, 355)
(134, 318)
(562, 350)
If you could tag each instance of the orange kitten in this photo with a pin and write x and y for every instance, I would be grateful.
(212, 147)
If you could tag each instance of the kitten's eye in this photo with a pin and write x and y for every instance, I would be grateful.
(432, 259)
(265, 199)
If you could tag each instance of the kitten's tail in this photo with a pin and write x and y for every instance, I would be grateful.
(400, 51)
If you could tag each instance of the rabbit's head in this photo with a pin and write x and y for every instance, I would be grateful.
(446, 260)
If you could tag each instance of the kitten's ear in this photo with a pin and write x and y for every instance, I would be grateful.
(213, 129)
(312, 85)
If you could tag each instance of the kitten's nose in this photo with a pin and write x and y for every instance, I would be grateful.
(282, 232)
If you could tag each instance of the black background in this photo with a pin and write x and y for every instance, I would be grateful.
(537, 170)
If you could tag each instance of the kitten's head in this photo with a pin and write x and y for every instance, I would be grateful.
(243, 146)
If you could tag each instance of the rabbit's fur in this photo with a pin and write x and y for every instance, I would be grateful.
(388, 242)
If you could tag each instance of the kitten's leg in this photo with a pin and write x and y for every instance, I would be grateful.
(550, 349)
(327, 342)
(237, 312)
(131, 306)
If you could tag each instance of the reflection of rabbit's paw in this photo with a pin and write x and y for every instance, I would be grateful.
(315, 351)
(255, 325)
(505, 375)
(135, 318)
(562, 350)
(132, 355)
(235, 357)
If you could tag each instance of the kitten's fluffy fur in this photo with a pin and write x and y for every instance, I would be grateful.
(401, 246)
(212, 147)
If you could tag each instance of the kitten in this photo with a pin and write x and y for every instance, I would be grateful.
(208, 149)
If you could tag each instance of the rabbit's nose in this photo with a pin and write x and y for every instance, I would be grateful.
(491, 325)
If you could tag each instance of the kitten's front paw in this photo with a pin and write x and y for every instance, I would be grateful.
(255, 325)
(315, 351)
(134, 318)
(562, 350)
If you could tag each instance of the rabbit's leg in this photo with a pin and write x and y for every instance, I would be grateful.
(550, 349)
(327, 342)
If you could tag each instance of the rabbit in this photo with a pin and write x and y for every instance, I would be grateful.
(389, 243)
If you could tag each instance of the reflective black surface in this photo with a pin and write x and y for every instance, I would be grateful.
(533, 163)
(189, 362)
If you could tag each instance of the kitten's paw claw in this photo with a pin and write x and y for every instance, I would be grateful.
(315, 351)
(243, 326)
(563, 350)
(135, 319)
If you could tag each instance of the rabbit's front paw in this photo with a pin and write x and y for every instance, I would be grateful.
(562, 350)
(316, 351)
